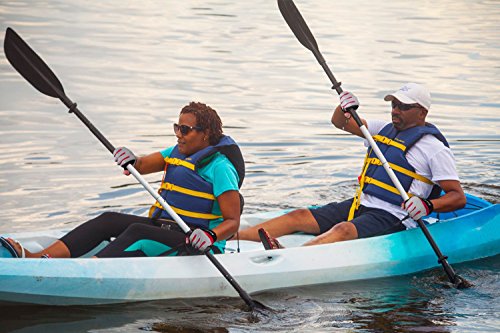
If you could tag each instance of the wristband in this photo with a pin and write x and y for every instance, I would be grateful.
(429, 204)
(211, 233)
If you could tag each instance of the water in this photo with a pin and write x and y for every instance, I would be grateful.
(131, 66)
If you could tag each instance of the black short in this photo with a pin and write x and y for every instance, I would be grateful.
(369, 222)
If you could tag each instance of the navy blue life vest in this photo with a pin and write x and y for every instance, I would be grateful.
(394, 145)
(187, 193)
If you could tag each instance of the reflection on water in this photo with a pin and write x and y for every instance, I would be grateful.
(131, 66)
(420, 303)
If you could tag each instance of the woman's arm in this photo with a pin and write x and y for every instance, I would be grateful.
(229, 203)
(150, 163)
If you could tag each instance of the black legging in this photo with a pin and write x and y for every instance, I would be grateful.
(127, 229)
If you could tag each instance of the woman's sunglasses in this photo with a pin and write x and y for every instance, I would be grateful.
(185, 129)
(404, 107)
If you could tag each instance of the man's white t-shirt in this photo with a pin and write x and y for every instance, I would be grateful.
(430, 158)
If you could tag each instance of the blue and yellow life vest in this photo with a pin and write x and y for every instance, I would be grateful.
(394, 144)
(187, 193)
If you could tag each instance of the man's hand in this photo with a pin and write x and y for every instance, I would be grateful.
(201, 239)
(417, 207)
(348, 101)
(124, 157)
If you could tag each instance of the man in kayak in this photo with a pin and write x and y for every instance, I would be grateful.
(202, 177)
(417, 152)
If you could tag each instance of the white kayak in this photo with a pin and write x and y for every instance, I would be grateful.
(468, 234)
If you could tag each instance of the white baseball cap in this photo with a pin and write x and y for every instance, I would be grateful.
(412, 93)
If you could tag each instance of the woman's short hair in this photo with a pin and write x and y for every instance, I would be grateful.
(206, 118)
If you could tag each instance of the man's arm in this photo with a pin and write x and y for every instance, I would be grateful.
(453, 199)
(340, 121)
(344, 120)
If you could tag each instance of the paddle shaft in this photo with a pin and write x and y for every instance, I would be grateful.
(25, 60)
(300, 29)
(452, 276)
(243, 294)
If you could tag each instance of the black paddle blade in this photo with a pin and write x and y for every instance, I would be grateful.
(30, 65)
(296, 22)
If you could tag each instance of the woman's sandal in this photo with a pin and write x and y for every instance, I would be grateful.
(5, 243)
(269, 242)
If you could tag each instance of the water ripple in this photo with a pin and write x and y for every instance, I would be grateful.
(131, 66)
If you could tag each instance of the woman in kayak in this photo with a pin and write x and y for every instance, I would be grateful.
(202, 177)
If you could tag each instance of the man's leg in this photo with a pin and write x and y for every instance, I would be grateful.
(300, 220)
(368, 222)
(340, 232)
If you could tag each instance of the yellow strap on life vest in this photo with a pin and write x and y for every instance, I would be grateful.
(190, 213)
(172, 187)
(356, 201)
(390, 188)
(177, 161)
(385, 140)
(402, 170)
(355, 204)
(368, 180)
(176, 188)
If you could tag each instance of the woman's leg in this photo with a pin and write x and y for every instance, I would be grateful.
(90, 234)
(142, 240)
(87, 236)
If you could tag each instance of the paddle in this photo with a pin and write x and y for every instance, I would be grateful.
(36, 72)
(300, 29)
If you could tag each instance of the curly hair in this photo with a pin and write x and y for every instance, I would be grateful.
(206, 118)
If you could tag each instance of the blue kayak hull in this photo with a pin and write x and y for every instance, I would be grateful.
(469, 236)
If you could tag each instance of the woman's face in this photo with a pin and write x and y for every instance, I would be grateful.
(195, 140)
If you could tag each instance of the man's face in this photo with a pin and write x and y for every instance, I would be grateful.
(406, 116)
